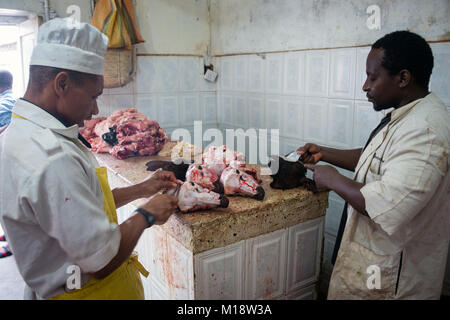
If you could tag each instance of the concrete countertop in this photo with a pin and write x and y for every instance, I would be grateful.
(244, 218)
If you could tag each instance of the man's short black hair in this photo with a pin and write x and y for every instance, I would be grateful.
(41, 75)
(407, 50)
(6, 79)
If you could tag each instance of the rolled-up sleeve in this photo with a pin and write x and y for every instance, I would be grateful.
(61, 197)
(414, 166)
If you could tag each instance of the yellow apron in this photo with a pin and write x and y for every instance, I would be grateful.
(125, 282)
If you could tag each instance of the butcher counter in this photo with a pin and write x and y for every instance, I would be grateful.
(268, 249)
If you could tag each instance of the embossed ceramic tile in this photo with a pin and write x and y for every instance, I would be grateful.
(126, 89)
(266, 269)
(146, 81)
(168, 110)
(316, 120)
(340, 123)
(209, 108)
(274, 73)
(294, 73)
(308, 293)
(148, 105)
(257, 112)
(227, 73)
(226, 103)
(316, 76)
(361, 57)
(342, 73)
(256, 67)
(274, 106)
(167, 74)
(241, 73)
(328, 247)
(240, 112)
(190, 109)
(440, 78)
(334, 213)
(293, 117)
(366, 119)
(121, 101)
(219, 273)
(190, 73)
(304, 247)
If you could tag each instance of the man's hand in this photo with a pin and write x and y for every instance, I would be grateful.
(158, 181)
(323, 176)
(162, 206)
(312, 153)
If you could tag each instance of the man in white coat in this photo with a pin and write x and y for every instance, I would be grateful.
(395, 239)
(56, 206)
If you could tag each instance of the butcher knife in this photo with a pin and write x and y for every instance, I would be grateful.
(294, 156)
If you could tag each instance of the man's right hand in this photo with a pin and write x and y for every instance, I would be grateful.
(162, 206)
(311, 153)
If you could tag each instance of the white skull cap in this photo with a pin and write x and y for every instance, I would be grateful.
(68, 44)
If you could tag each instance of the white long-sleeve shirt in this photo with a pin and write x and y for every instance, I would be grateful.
(405, 169)
(51, 204)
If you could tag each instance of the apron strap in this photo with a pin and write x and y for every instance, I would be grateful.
(138, 264)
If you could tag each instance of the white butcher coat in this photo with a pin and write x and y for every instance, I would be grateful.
(405, 169)
(51, 204)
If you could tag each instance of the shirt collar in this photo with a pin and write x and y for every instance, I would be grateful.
(400, 112)
(42, 118)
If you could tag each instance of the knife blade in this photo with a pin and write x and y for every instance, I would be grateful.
(295, 156)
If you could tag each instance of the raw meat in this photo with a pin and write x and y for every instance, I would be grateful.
(238, 182)
(136, 134)
(192, 197)
(218, 158)
(205, 177)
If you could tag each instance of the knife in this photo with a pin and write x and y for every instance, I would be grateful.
(295, 156)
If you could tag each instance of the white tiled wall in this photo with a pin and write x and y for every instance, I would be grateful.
(169, 89)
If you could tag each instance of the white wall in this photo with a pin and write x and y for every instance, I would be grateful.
(173, 27)
(276, 25)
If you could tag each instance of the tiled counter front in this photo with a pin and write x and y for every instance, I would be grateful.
(267, 249)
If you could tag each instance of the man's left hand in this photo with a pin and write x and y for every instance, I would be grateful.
(324, 175)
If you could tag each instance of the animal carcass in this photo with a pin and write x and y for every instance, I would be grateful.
(124, 134)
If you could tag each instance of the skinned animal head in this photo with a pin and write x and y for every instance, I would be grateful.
(204, 177)
(192, 197)
(237, 182)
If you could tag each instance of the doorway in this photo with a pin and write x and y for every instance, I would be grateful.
(18, 36)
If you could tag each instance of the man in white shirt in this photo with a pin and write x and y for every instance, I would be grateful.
(396, 237)
(53, 198)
